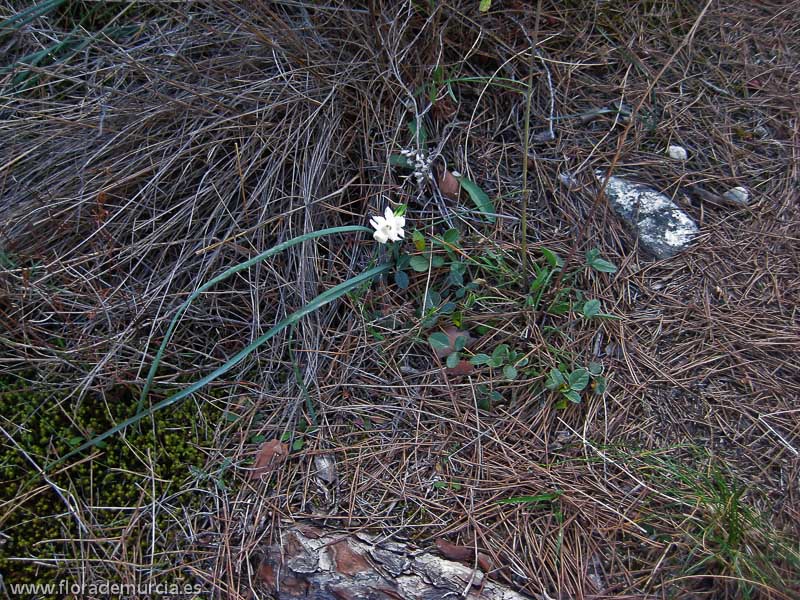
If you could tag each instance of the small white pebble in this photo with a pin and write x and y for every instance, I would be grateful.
(455, 174)
(568, 180)
(677, 152)
(738, 194)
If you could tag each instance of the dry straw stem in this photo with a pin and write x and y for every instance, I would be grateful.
(123, 168)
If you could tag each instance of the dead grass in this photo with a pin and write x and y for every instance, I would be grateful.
(152, 160)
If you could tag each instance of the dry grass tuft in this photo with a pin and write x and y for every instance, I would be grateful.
(185, 138)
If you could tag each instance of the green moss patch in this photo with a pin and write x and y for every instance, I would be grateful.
(121, 502)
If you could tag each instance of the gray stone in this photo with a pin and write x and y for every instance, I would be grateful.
(737, 195)
(662, 227)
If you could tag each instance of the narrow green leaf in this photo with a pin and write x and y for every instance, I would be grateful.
(481, 200)
(553, 259)
(232, 271)
(418, 239)
(538, 499)
(401, 279)
(558, 308)
(453, 360)
(30, 13)
(459, 343)
(321, 300)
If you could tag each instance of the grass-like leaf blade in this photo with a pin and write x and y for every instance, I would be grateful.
(233, 270)
(480, 198)
(324, 298)
(538, 499)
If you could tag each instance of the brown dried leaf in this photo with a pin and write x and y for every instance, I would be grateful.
(449, 185)
(464, 554)
(485, 563)
(453, 552)
(464, 367)
(270, 457)
(452, 333)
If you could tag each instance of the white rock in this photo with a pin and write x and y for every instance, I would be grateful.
(677, 152)
(662, 227)
(739, 195)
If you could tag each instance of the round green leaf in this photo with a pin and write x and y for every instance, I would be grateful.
(591, 308)
(554, 380)
(578, 379)
(451, 236)
(401, 279)
(419, 263)
(439, 341)
(480, 359)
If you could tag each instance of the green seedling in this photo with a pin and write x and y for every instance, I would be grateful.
(440, 342)
(570, 385)
(503, 357)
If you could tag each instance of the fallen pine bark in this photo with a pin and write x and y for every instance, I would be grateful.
(312, 563)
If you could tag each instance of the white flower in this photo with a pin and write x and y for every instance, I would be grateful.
(388, 227)
(677, 152)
